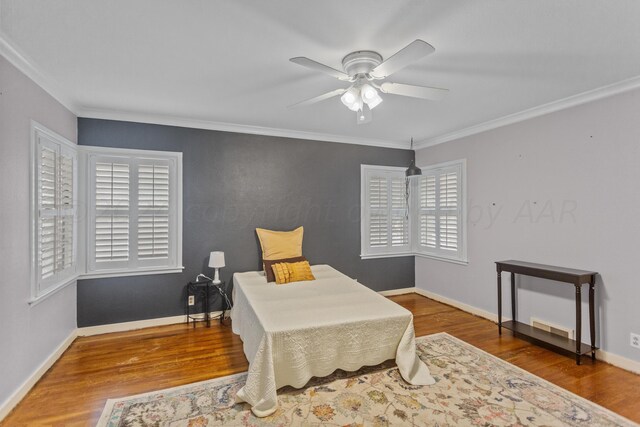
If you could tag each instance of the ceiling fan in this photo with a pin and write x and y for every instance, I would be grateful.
(364, 69)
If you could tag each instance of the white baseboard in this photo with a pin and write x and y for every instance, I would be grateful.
(401, 291)
(138, 324)
(24, 388)
(604, 356)
(619, 361)
(462, 306)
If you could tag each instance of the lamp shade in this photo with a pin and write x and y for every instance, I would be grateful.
(413, 170)
(216, 259)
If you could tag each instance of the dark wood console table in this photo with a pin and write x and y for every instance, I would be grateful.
(559, 274)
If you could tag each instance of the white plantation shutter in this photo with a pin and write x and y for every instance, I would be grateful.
(55, 218)
(112, 206)
(448, 211)
(385, 224)
(135, 210)
(440, 211)
(399, 214)
(48, 211)
(427, 211)
(378, 192)
(153, 212)
(66, 218)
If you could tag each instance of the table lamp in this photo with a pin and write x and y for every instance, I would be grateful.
(216, 260)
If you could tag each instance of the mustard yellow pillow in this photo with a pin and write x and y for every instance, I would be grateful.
(286, 272)
(280, 244)
(281, 273)
(300, 271)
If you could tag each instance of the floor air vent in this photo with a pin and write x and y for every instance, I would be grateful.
(554, 329)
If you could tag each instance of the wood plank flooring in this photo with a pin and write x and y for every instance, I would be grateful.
(93, 369)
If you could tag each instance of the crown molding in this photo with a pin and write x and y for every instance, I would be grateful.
(160, 119)
(551, 107)
(28, 67)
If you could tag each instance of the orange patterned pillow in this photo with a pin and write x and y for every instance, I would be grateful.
(286, 272)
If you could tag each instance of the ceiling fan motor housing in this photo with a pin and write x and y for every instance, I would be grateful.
(361, 62)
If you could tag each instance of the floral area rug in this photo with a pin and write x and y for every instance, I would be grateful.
(472, 388)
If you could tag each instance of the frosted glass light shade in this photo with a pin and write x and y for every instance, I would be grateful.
(216, 259)
(370, 96)
(351, 99)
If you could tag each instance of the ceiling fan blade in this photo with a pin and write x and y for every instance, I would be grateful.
(318, 98)
(310, 63)
(409, 54)
(424, 92)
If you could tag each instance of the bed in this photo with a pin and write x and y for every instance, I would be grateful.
(297, 331)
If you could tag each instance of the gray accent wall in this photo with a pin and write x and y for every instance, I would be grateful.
(234, 183)
(29, 334)
(561, 189)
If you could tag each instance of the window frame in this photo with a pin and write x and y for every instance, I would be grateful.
(43, 288)
(414, 248)
(366, 252)
(461, 255)
(132, 157)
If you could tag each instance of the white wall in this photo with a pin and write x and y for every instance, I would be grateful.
(28, 334)
(561, 189)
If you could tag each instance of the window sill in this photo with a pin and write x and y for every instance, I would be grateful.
(37, 300)
(375, 256)
(127, 273)
(404, 254)
(445, 259)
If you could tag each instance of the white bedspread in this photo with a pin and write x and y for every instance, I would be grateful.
(300, 330)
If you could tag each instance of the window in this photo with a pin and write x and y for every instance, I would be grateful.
(54, 212)
(385, 218)
(134, 211)
(132, 203)
(432, 224)
(440, 211)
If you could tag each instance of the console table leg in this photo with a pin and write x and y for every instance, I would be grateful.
(513, 296)
(500, 302)
(578, 322)
(592, 319)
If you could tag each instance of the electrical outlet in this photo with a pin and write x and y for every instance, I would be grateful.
(192, 299)
(635, 340)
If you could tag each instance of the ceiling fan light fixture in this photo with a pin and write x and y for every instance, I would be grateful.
(370, 96)
(351, 99)
(368, 92)
(348, 98)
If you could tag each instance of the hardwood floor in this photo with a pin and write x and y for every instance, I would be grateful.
(93, 369)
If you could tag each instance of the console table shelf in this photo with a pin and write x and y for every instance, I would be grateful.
(558, 274)
(545, 338)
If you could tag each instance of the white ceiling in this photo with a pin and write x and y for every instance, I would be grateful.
(227, 61)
